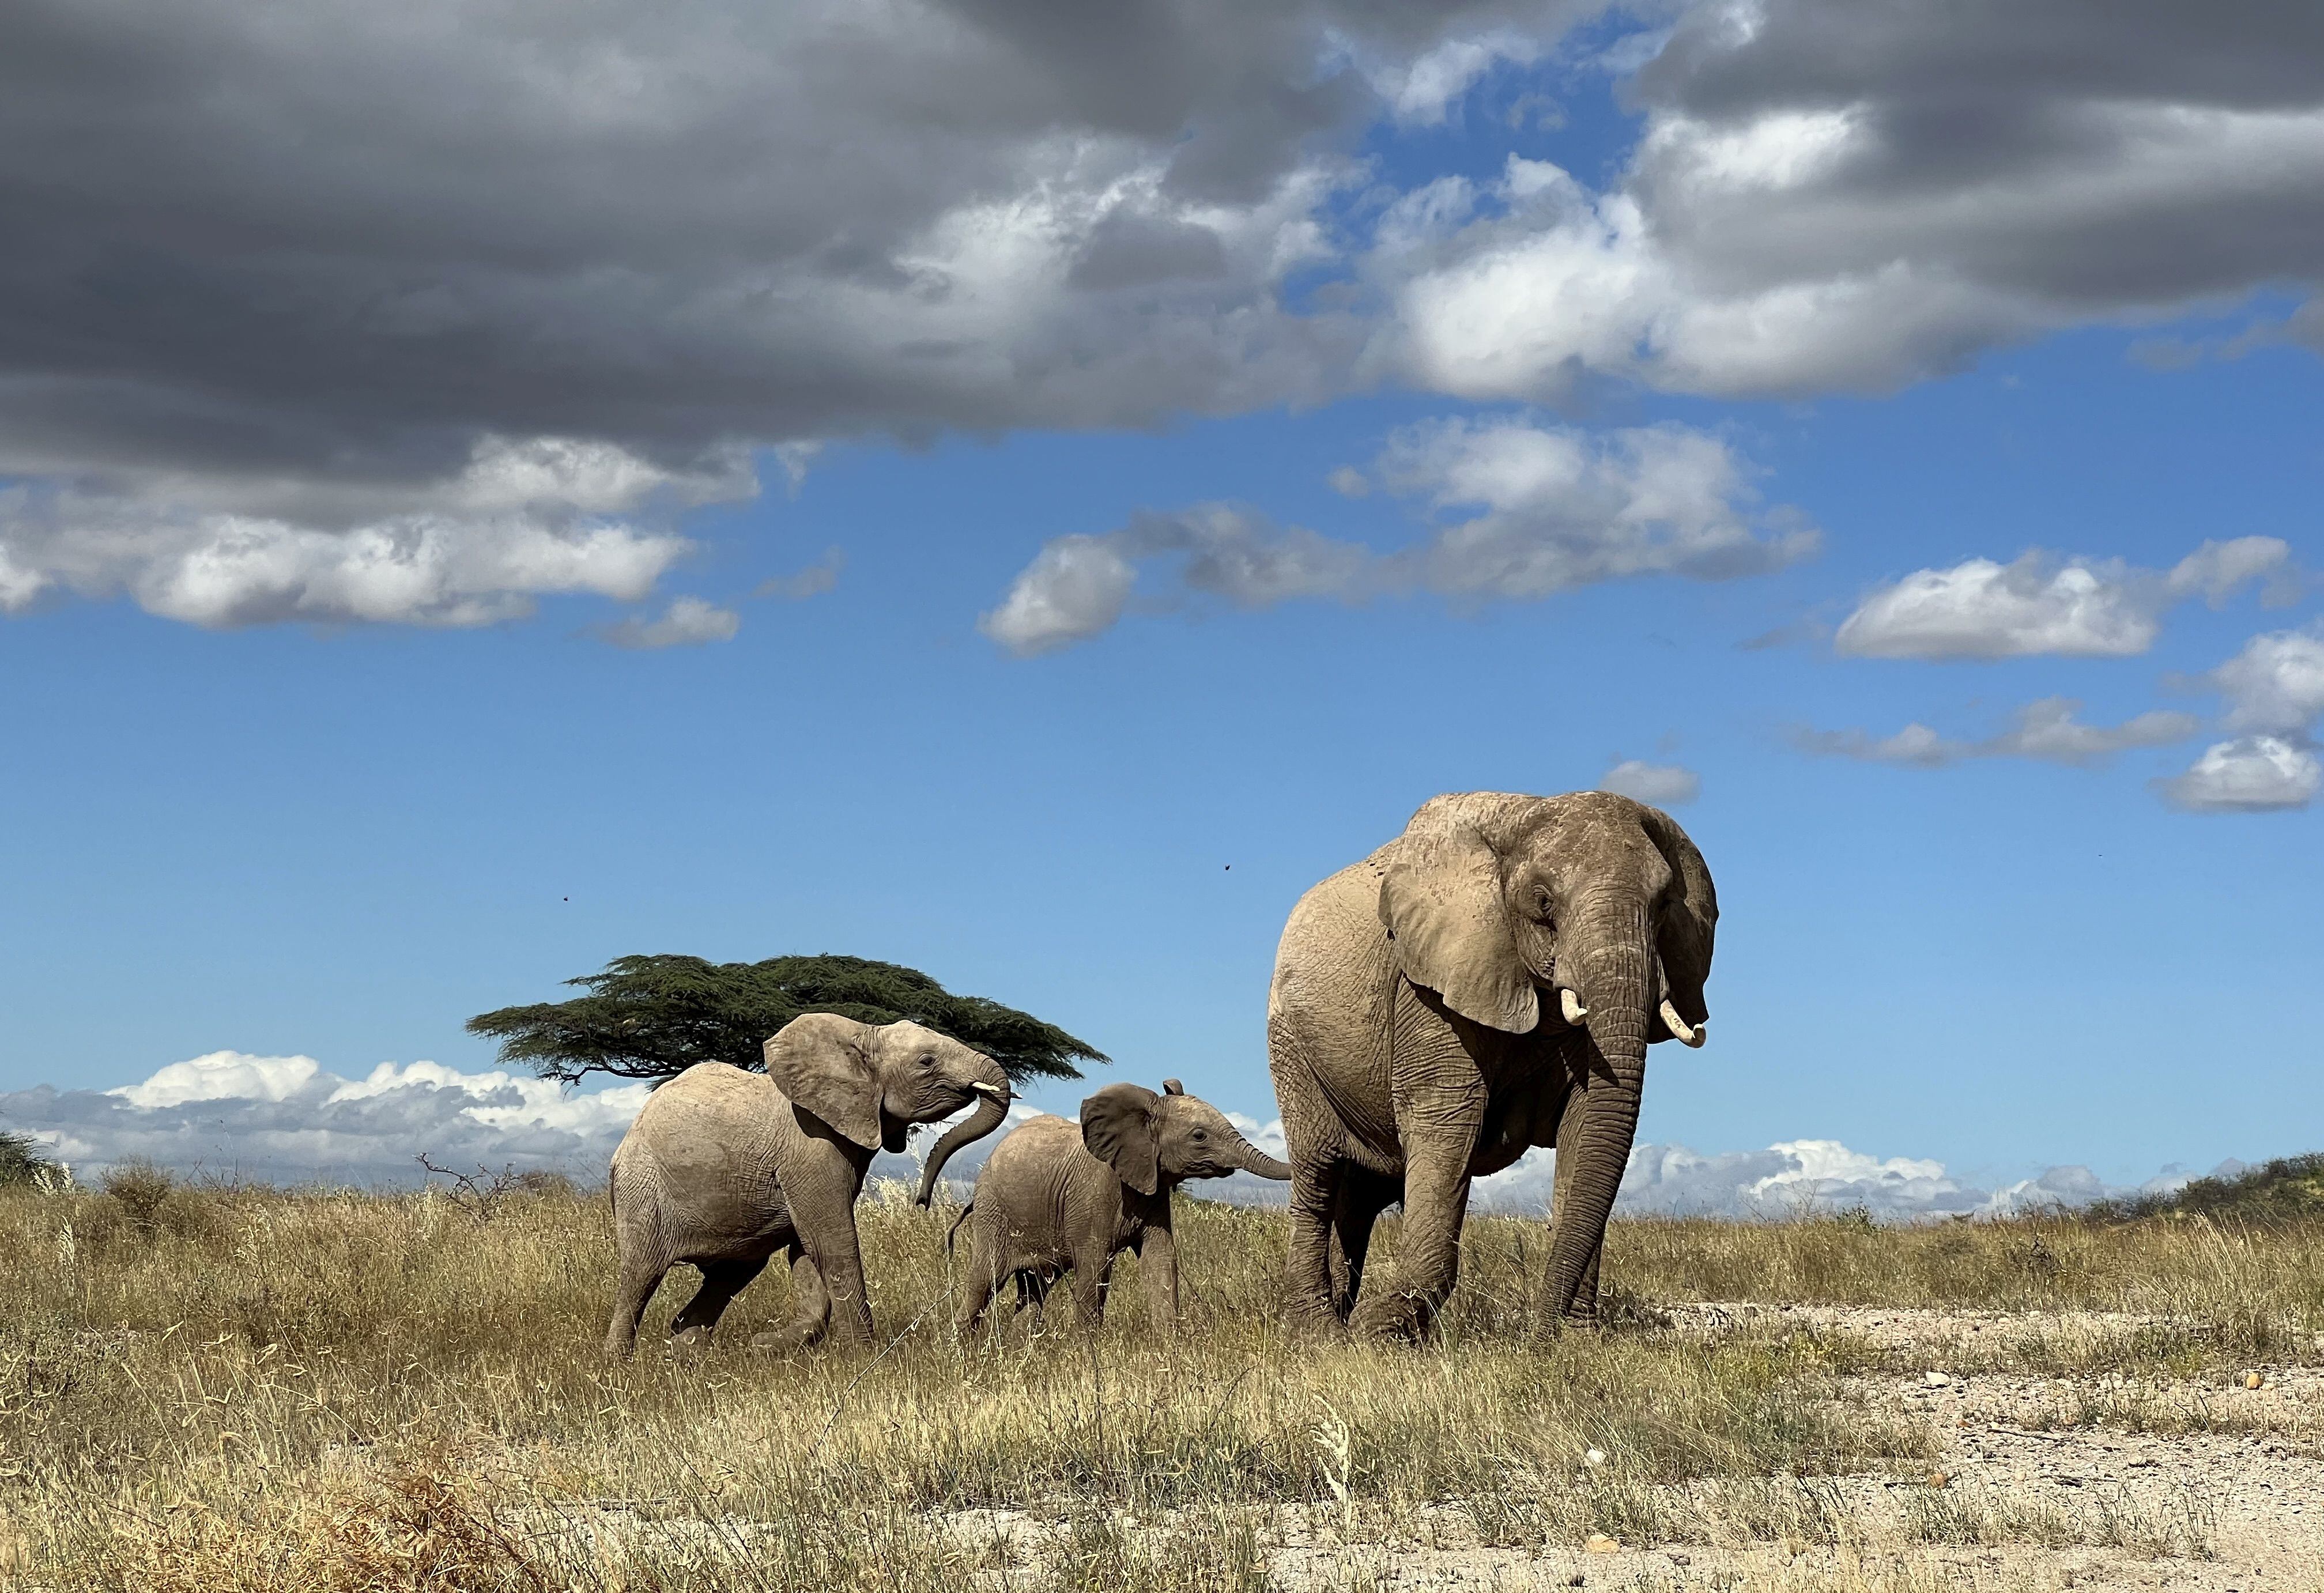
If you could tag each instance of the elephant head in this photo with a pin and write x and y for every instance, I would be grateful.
(1155, 1141)
(1588, 909)
(870, 1083)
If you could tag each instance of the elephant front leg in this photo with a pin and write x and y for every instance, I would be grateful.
(810, 1303)
(1092, 1279)
(983, 1281)
(1157, 1265)
(1428, 1258)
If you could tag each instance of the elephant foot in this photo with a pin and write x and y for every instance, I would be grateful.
(782, 1340)
(689, 1343)
(1402, 1319)
(1316, 1325)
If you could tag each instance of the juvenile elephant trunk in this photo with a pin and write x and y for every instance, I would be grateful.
(1254, 1160)
(992, 1106)
(1615, 965)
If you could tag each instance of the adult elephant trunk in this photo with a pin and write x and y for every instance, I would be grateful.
(1614, 957)
(992, 1106)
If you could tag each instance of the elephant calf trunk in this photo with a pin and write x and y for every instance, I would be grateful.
(1267, 1166)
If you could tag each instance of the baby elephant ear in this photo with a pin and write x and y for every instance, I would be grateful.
(1172, 1087)
(1117, 1127)
(819, 1061)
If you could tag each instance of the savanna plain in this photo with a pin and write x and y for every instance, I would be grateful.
(222, 1388)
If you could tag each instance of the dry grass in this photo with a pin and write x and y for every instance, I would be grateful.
(223, 1390)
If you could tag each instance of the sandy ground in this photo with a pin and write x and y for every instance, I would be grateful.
(2095, 1481)
(2090, 1481)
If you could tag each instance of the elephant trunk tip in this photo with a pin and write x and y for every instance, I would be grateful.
(1267, 1166)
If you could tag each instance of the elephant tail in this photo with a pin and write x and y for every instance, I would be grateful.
(954, 1231)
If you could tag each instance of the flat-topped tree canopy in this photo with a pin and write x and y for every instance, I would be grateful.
(654, 1017)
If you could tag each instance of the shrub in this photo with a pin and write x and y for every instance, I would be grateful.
(20, 1159)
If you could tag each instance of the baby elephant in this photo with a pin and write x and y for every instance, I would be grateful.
(1056, 1197)
(727, 1169)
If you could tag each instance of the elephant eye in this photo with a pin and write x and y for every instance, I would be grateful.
(927, 1061)
(1200, 1136)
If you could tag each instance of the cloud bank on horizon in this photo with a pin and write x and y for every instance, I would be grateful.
(286, 1119)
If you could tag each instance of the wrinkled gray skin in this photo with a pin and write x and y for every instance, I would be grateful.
(1056, 1198)
(1416, 1035)
(726, 1167)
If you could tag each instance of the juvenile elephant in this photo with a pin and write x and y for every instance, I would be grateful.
(724, 1167)
(1487, 982)
(1056, 1197)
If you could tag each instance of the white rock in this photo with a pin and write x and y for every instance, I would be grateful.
(1934, 1379)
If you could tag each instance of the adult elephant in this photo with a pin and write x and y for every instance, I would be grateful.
(725, 1168)
(1487, 982)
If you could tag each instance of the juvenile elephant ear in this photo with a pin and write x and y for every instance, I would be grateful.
(822, 1062)
(1441, 898)
(1119, 1128)
(1689, 917)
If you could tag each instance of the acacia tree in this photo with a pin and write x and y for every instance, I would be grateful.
(652, 1017)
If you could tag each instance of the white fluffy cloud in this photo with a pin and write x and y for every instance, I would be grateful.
(2274, 693)
(2080, 608)
(2046, 730)
(1659, 785)
(523, 518)
(2276, 684)
(688, 622)
(287, 1119)
(1528, 510)
(1797, 1177)
(2251, 774)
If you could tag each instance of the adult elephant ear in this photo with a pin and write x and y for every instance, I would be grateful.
(823, 1062)
(1441, 899)
(1118, 1127)
(1689, 917)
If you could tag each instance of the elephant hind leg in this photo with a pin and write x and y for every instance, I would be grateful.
(1362, 1197)
(1428, 1252)
(721, 1282)
(1313, 1272)
(641, 1275)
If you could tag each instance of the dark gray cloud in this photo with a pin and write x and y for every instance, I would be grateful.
(351, 242)
(1829, 193)
(277, 281)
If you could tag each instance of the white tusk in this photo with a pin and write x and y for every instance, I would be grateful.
(1684, 1033)
(1571, 1005)
(984, 1089)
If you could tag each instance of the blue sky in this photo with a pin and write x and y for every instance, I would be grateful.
(313, 813)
